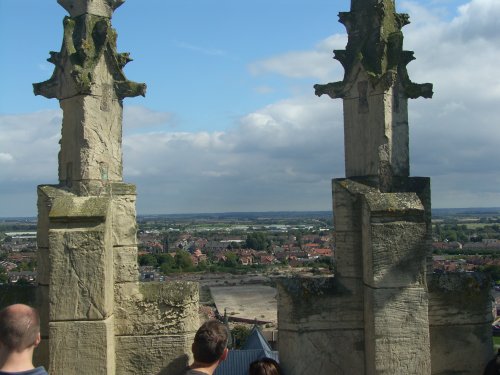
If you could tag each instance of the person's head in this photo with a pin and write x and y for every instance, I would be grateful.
(210, 342)
(19, 327)
(264, 366)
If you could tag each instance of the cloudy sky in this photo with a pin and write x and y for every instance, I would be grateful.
(230, 121)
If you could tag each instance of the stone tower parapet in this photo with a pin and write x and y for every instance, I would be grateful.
(96, 316)
(384, 312)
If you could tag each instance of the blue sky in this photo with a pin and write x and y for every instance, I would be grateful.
(230, 121)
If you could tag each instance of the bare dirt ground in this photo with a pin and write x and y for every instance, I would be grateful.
(247, 301)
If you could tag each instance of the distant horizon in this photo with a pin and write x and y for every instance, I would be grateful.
(485, 209)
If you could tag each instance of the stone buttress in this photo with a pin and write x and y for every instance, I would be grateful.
(384, 312)
(96, 317)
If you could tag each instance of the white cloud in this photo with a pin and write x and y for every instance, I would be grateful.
(6, 157)
(137, 117)
(28, 157)
(304, 64)
(282, 156)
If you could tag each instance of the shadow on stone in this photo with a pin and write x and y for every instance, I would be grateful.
(175, 367)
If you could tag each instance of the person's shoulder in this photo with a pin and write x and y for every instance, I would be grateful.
(39, 371)
(193, 372)
(36, 371)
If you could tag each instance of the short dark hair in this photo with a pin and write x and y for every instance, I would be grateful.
(264, 366)
(19, 327)
(210, 341)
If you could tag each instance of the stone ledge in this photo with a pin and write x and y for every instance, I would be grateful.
(156, 308)
(80, 208)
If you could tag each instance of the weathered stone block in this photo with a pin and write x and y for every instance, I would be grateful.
(394, 254)
(71, 207)
(375, 117)
(322, 352)
(460, 349)
(320, 315)
(82, 347)
(44, 204)
(156, 308)
(347, 208)
(125, 264)
(319, 303)
(397, 331)
(460, 323)
(349, 254)
(43, 265)
(46, 196)
(347, 204)
(162, 354)
(394, 240)
(124, 220)
(91, 140)
(459, 298)
(103, 8)
(81, 278)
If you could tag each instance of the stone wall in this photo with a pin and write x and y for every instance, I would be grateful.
(89, 295)
(320, 325)
(460, 323)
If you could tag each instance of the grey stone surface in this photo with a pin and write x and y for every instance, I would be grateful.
(459, 298)
(375, 134)
(319, 303)
(103, 8)
(320, 323)
(162, 355)
(460, 349)
(460, 323)
(124, 220)
(394, 254)
(81, 277)
(91, 141)
(347, 208)
(82, 347)
(72, 207)
(42, 305)
(156, 308)
(43, 265)
(87, 224)
(397, 331)
(125, 264)
(322, 352)
(46, 195)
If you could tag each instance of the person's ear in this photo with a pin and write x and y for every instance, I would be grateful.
(38, 339)
(224, 354)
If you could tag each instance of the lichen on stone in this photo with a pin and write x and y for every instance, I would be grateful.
(86, 39)
(375, 42)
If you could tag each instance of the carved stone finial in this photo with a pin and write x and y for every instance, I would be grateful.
(376, 43)
(375, 90)
(103, 8)
(89, 81)
(87, 39)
